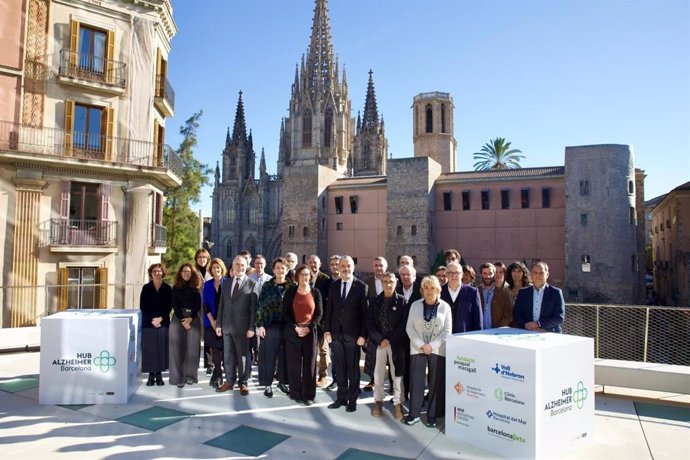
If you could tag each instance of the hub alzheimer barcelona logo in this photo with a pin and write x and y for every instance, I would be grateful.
(505, 371)
(569, 397)
(84, 362)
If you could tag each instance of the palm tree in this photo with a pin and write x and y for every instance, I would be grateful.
(497, 155)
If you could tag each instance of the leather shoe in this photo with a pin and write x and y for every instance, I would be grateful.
(284, 388)
(244, 391)
(268, 392)
(332, 387)
(149, 382)
(351, 406)
(431, 422)
(369, 386)
(159, 380)
(309, 402)
(337, 404)
(224, 387)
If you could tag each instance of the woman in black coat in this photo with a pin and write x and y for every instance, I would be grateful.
(185, 327)
(155, 303)
(302, 310)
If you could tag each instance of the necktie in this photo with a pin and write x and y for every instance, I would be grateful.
(235, 289)
(344, 290)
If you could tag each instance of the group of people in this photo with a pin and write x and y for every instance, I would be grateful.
(299, 320)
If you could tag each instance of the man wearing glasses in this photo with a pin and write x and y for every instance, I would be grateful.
(464, 301)
(540, 307)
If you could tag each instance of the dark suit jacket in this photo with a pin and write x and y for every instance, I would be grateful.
(552, 308)
(289, 314)
(239, 316)
(416, 294)
(466, 311)
(323, 283)
(371, 285)
(348, 317)
(501, 307)
(397, 318)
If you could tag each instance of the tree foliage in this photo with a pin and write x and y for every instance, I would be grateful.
(181, 221)
(497, 154)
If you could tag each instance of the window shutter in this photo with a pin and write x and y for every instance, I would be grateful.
(107, 122)
(156, 149)
(106, 233)
(69, 127)
(102, 288)
(158, 83)
(64, 212)
(109, 56)
(62, 289)
(73, 45)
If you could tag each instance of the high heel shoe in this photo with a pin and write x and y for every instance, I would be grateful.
(149, 382)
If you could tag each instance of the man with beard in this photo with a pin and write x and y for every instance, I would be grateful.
(496, 305)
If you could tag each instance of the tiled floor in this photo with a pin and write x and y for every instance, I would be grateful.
(196, 422)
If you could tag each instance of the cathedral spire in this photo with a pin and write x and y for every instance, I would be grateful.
(320, 59)
(227, 137)
(262, 164)
(371, 113)
(239, 131)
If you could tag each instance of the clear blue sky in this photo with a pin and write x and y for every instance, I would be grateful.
(544, 74)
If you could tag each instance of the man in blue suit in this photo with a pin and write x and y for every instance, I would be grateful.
(539, 307)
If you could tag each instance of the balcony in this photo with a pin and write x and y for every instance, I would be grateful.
(91, 71)
(165, 96)
(158, 236)
(65, 234)
(50, 144)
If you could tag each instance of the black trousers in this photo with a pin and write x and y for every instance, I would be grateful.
(346, 362)
(437, 377)
(272, 352)
(300, 353)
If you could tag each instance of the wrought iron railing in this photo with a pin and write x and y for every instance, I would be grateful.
(75, 232)
(93, 68)
(633, 332)
(165, 90)
(159, 236)
(61, 143)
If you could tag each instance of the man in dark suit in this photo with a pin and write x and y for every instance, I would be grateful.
(345, 331)
(463, 299)
(497, 307)
(236, 318)
(322, 282)
(539, 307)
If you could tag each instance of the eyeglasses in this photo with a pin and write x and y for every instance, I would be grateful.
(452, 273)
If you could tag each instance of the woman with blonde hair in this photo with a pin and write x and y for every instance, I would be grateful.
(211, 298)
(428, 324)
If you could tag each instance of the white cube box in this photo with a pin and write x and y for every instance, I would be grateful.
(89, 357)
(520, 394)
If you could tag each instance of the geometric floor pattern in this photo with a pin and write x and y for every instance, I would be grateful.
(18, 384)
(356, 454)
(247, 440)
(154, 418)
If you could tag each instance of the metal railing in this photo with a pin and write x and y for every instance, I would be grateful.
(159, 236)
(165, 90)
(75, 232)
(633, 332)
(93, 68)
(61, 143)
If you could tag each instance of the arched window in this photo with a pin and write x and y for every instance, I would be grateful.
(413, 230)
(366, 154)
(228, 250)
(429, 119)
(400, 230)
(252, 210)
(443, 118)
(306, 129)
(233, 166)
(305, 232)
(328, 128)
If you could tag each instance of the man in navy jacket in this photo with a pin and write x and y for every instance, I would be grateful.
(463, 299)
(539, 307)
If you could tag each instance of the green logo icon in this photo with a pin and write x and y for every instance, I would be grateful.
(498, 393)
(104, 361)
(580, 395)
